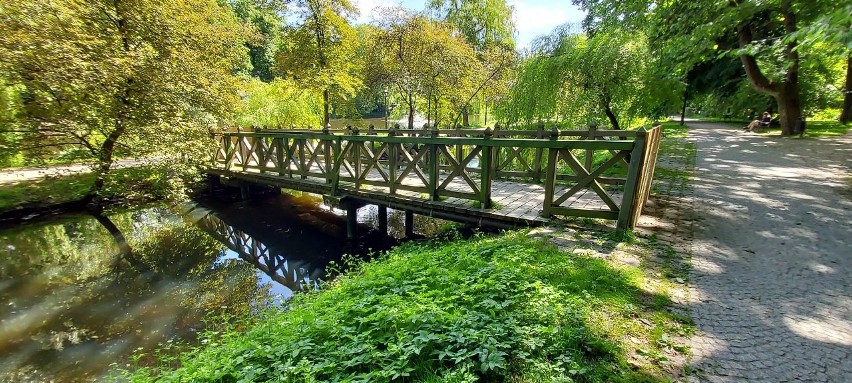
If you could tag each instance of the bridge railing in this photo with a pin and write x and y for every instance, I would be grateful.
(434, 165)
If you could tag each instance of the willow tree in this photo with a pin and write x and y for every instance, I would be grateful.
(319, 50)
(574, 77)
(482, 22)
(689, 32)
(143, 76)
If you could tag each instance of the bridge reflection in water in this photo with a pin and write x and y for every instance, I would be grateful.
(291, 240)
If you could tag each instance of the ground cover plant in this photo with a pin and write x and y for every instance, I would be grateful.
(502, 308)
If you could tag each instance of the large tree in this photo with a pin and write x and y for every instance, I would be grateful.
(691, 31)
(320, 47)
(148, 76)
(488, 27)
(423, 63)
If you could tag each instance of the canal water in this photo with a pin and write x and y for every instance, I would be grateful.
(80, 295)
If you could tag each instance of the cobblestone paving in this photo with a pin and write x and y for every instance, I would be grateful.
(771, 281)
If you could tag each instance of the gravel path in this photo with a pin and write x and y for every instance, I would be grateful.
(771, 284)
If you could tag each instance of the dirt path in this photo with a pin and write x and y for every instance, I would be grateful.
(771, 284)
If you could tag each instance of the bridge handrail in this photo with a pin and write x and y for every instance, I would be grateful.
(497, 132)
(336, 157)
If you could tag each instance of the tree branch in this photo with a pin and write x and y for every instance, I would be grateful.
(756, 77)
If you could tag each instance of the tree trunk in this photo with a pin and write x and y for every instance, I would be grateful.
(786, 93)
(325, 115)
(789, 108)
(611, 116)
(846, 114)
(465, 117)
(683, 108)
(410, 111)
(94, 198)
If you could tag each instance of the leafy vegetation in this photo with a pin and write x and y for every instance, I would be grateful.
(98, 76)
(581, 77)
(775, 41)
(502, 308)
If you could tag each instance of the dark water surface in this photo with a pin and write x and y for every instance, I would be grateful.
(79, 294)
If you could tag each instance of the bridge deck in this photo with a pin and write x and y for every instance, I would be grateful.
(515, 203)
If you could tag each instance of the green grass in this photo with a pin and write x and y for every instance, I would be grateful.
(47, 191)
(129, 185)
(815, 129)
(506, 308)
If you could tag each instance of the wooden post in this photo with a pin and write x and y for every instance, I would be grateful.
(409, 224)
(351, 221)
(486, 170)
(550, 181)
(626, 210)
(279, 155)
(459, 147)
(356, 156)
(495, 152)
(383, 219)
(226, 140)
(392, 157)
(590, 153)
(338, 162)
(433, 167)
(328, 156)
(302, 164)
(539, 153)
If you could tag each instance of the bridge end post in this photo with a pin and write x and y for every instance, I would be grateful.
(626, 210)
(550, 180)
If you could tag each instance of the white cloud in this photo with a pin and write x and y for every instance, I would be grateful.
(534, 18)
(366, 8)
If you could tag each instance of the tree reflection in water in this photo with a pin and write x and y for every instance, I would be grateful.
(86, 292)
(82, 292)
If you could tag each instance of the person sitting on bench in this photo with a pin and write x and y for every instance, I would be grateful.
(763, 121)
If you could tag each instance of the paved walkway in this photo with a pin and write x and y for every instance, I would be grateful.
(15, 175)
(772, 258)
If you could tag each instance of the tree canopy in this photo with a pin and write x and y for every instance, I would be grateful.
(762, 34)
(97, 76)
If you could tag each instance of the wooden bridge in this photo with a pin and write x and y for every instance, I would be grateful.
(501, 178)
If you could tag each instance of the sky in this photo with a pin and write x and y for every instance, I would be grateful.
(532, 17)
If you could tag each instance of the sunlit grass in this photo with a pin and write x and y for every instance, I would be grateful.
(505, 308)
(127, 184)
(814, 129)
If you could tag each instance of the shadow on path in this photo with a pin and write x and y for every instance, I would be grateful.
(771, 291)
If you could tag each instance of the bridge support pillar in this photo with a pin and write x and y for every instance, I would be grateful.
(245, 191)
(351, 222)
(383, 219)
(409, 224)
